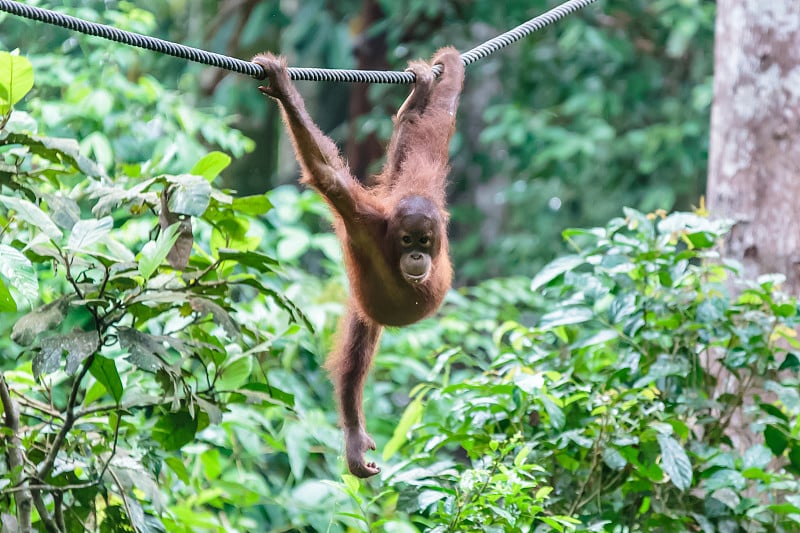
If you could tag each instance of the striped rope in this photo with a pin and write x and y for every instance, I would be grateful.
(295, 73)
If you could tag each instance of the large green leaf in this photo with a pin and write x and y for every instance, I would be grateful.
(57, 151)
(556, 414)
(77, 345)
(145, 351)
(173, 430)
(189, 195)
(555, 268)
(110, 197)
(87, 232)
(411, 416)
(257, 260)
(211, 165)
(64, 211)
(235, 373)
(776, 439)
(42, 319)
(16, 79)
(675, 462)
(33, 215)
(262, 392)
(256, 205)
(105, 371)
(154, 252)
(220, 315)
(566, 316)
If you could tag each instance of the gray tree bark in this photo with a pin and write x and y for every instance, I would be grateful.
(754, 159)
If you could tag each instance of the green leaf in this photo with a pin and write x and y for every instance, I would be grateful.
(566, 316)
(177, 466)
(57, 151)
(727, 496)
(235, 374)
(613, 459)
(257, 260)
(173, 430)
(411, 416)
(130, 472)
(601, 337)
(214, 413)
(105, 371)
(701, 239)
(189, 195)
(154, 253)
(211, 165)
(264, 393)
(791, 362)
(522, 456)
(556, 414)
(296, 313)
(776, 439)
(256, 205)
(64, 211)
(220, 315)
(773, 410)
(7, 303)
(675, 462)
(757, 456)
(297, 438)
(97, 146)
(16, 79)
(784, 310)
(18, 271)
(211, 462)
(30, 213)
(87, 232)
(109, 198)
(145, 351)
(555, 268)
(78, 345)
(42, 319)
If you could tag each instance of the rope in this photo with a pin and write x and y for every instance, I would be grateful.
(295, 73)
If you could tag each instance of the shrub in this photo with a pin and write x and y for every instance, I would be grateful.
(600, 413)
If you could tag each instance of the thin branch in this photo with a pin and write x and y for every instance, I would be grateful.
(16, 459)
(124, 499)
(58, 513)
(69, 420)
(46, 487)
(595, 462)
(113, 449)
(44, 516)
(38, 406)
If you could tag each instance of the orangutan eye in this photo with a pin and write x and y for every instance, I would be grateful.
(407, 239)
(425, 241)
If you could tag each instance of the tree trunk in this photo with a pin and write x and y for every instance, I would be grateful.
(754, 159)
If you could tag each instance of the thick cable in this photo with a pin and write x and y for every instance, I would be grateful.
(295, 73)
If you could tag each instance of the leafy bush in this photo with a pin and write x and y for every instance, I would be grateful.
(601, 413)
(135, 345)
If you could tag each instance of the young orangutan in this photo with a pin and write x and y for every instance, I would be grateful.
(394, 233)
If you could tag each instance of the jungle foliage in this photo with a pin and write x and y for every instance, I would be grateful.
(156, 379)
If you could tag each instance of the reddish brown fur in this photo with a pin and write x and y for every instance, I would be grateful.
(408, 199)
